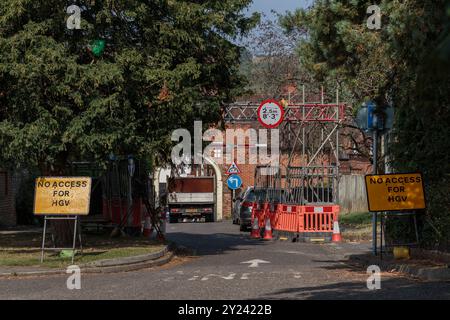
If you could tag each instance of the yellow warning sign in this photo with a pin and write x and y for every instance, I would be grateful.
(395, 192)
(62, 196)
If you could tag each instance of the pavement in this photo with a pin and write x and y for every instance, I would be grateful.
(220, 262)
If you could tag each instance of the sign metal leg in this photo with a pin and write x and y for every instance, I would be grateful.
(415, 227)
(79, 236)
(76, 233)
(381, 236)
(374, 233)
(75, 222)
(43, 239)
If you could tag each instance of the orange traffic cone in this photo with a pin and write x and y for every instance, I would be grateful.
(255, 234)
(336, 233)
(268, 230)
(147, 228)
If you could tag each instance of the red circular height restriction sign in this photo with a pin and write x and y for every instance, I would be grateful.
(270, 114)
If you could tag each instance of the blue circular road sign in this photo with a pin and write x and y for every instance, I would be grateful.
(234, 182)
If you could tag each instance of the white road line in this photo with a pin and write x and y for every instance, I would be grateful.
(245, 276)
(230, 277)
(255, 263)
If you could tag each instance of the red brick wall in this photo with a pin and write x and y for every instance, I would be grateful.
(356, 165)
(247, 170)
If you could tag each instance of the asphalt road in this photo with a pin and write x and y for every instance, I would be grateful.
(220, 265)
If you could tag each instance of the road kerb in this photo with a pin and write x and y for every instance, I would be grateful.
(107, 266)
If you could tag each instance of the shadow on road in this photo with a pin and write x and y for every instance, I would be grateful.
(392, 288)
(212, 244)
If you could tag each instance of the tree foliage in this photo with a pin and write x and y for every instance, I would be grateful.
(270, 63)
(165, 63)
(405, 64)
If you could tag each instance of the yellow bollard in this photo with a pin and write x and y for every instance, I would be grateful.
(401, 253)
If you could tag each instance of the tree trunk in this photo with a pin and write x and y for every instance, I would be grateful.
(63, 233)
(63, 229)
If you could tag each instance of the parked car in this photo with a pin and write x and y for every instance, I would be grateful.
(237, 203)
(244, 219)
(245, 210)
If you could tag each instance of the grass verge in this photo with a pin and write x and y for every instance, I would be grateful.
(23, 250)
(356, 226)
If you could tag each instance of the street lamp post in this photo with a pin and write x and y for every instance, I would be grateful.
(373, 119)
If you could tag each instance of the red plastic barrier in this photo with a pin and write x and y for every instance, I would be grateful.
(119, 208)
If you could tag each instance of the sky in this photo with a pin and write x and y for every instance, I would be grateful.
(280, 6)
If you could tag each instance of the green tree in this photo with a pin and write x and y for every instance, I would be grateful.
(406, 64)
(164, 64)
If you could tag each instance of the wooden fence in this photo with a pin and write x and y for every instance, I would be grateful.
(352, 194)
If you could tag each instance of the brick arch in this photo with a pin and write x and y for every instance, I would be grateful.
(218, 205)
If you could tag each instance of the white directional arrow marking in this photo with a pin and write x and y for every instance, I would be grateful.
(234, 181)
(255, 263)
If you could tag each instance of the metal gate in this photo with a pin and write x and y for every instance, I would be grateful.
(311, 185)
(268, 185)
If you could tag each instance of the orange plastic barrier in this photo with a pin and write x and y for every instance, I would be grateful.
(293, 218)
(287, 218)
(272, 214)
(319, 218)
